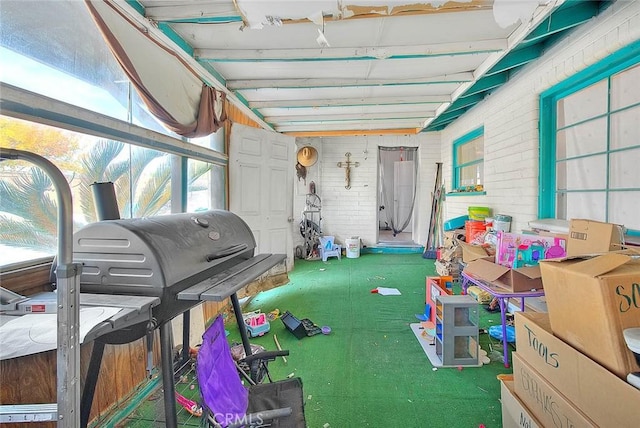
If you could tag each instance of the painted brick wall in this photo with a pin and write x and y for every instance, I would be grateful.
(510, 116)
(353, 212)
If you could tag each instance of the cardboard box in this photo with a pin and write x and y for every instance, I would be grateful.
(591, 301)
(472, 252)
(452, 237)
(592, 237)
(546, 403)
(520, 279)
(599, 394)
(514, 412)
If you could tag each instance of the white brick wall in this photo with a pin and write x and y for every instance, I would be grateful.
(510, 116)
(353, 212)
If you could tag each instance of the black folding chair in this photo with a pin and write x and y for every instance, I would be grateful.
(227, 403)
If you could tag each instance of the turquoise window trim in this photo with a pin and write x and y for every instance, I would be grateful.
(622, 59)
(617, 61)
(472, 135)
(474, 162)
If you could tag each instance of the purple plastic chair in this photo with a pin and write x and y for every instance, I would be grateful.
(228, 403)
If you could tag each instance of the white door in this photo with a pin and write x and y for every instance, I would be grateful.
(403, 174)
(261, 165)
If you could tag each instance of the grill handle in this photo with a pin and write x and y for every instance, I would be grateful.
(227, 252)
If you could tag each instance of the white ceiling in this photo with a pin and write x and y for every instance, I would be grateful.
(349, 67)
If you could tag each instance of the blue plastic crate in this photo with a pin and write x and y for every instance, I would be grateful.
(455, 223)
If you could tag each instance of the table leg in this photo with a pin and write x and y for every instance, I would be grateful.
(465, 285)
(522, 304)
(237, 311)
(505, 343)
(168, 383)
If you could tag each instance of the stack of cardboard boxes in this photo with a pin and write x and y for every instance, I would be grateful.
(571, 363)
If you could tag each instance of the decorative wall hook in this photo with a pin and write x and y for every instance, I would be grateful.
(347, 169)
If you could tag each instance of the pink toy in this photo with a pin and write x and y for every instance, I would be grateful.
(516, 250)
(189, 405)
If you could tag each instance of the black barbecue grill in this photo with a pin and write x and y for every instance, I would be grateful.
(160, 256)
(181, 258)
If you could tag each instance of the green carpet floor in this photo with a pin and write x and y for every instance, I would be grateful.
(371, 371)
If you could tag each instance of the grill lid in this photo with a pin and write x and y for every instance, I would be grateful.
(149, 254)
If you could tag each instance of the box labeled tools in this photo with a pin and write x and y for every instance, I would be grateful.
(603, 397)
(591, 301)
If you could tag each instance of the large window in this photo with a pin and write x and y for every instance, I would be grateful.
(590, 144)
(141, 177)
(70, 63)
(468, 162)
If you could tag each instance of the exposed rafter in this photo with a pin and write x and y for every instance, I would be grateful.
(347, 117)
(516, 58)
(196, 12)
(328, 102)
(350, 125)
(564, 19)
(353, 132)
(344, 83)
(348, 53)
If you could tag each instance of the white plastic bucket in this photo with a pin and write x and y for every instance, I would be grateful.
(353, 247)
(502, 222)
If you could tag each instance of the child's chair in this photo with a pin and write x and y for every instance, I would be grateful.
(328, 248)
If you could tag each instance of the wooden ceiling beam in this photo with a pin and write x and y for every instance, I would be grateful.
(354, 132)
(346, 83)
(321, 126)
(352, 53)
(364, 101)
(292, 119)
(191, 12)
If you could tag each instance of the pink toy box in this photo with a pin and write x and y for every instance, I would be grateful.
(517, 250)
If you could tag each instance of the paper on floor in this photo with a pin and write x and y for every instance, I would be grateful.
(388, 291)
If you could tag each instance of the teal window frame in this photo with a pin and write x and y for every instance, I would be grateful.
(624, 58)
(457, 143)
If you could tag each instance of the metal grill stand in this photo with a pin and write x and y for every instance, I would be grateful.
(310, 227)
(68, 279)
